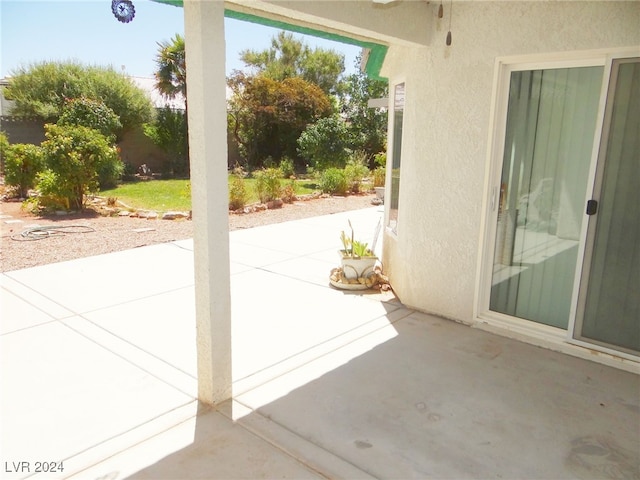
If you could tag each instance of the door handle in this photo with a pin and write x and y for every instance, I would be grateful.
(592, 207)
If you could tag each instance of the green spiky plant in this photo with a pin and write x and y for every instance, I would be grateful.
(353, 248)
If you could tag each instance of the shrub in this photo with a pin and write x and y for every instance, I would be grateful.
(4, 145)
(78, 156)
(238, 194)
(267, 184)
(333, 181)
(169, 132)
(287, 168)
(239, 171)
(379, 175)
(356, 170)
(324, 143)
(110, 174)
(381, 159)
(289, 191)
(22, 164)
(51, 195)
(91, 113)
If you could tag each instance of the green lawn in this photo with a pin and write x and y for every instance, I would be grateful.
(164, 195)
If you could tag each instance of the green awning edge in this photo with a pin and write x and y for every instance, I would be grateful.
(377, 52)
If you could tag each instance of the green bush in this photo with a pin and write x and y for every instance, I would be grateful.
(381, 159)
(267, 184)
(4, 145)
(51, 195)
(333, 181)
(110, 174)
(379, 176)
(287, 168)
(356, 171)
(78, 156)
(238, 194)
(91, 113)
(22, 164)
(169, 133)
(324, 143)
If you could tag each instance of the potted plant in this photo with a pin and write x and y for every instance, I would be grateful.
(358, 269)
(357, 260)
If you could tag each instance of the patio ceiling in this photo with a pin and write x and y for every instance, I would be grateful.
(374, 34)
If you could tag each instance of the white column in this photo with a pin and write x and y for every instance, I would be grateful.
(206, 87)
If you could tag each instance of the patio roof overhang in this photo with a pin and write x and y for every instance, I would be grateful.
(375, 52)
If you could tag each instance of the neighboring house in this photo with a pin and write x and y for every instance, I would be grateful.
(135, 147)
(496, 143)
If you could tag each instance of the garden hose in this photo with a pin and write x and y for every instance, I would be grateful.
(40, 233)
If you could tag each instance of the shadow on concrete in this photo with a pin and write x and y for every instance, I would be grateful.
(435, 399)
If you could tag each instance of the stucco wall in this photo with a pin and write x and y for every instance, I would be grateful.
(434, 259)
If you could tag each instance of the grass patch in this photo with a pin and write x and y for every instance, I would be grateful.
(160, 195)
(164, 195)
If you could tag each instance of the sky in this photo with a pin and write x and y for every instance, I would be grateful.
(33, 31)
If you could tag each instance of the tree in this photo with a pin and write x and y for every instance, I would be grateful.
(75, 157)
(171, 75)
(42, 90)
(367, 126)
(325, 143)
(289, 57)
(171, 82)
(169, 133)
(267, 116)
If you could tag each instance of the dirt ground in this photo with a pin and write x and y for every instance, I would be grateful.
(89, 233)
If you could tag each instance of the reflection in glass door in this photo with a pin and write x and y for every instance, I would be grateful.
(551, 120)
(609, 305)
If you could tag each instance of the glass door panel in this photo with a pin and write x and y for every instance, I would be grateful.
(610, 305)
(551, 121)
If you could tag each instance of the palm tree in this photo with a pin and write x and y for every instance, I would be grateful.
(171, 77)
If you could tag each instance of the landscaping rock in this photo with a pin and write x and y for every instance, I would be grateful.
(277, 203)
(148, 214)
(174, 215)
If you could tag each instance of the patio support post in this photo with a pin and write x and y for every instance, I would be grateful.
(206, 97)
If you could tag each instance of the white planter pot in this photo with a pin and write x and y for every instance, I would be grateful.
(359, 267)
(379, 193)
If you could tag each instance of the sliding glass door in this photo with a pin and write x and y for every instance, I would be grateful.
(551, 121)
(565, 238)
(609, 306)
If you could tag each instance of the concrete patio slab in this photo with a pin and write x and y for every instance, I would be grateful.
(433, 399)
(91, 283)
(270, 309)
(327, 383)
(162, 325)
(63, 393)
(31, 298)
(17, 314)
(205, 446)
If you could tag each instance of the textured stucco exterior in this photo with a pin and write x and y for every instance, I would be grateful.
(434, 259)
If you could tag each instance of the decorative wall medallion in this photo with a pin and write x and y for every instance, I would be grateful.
(123, 10)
